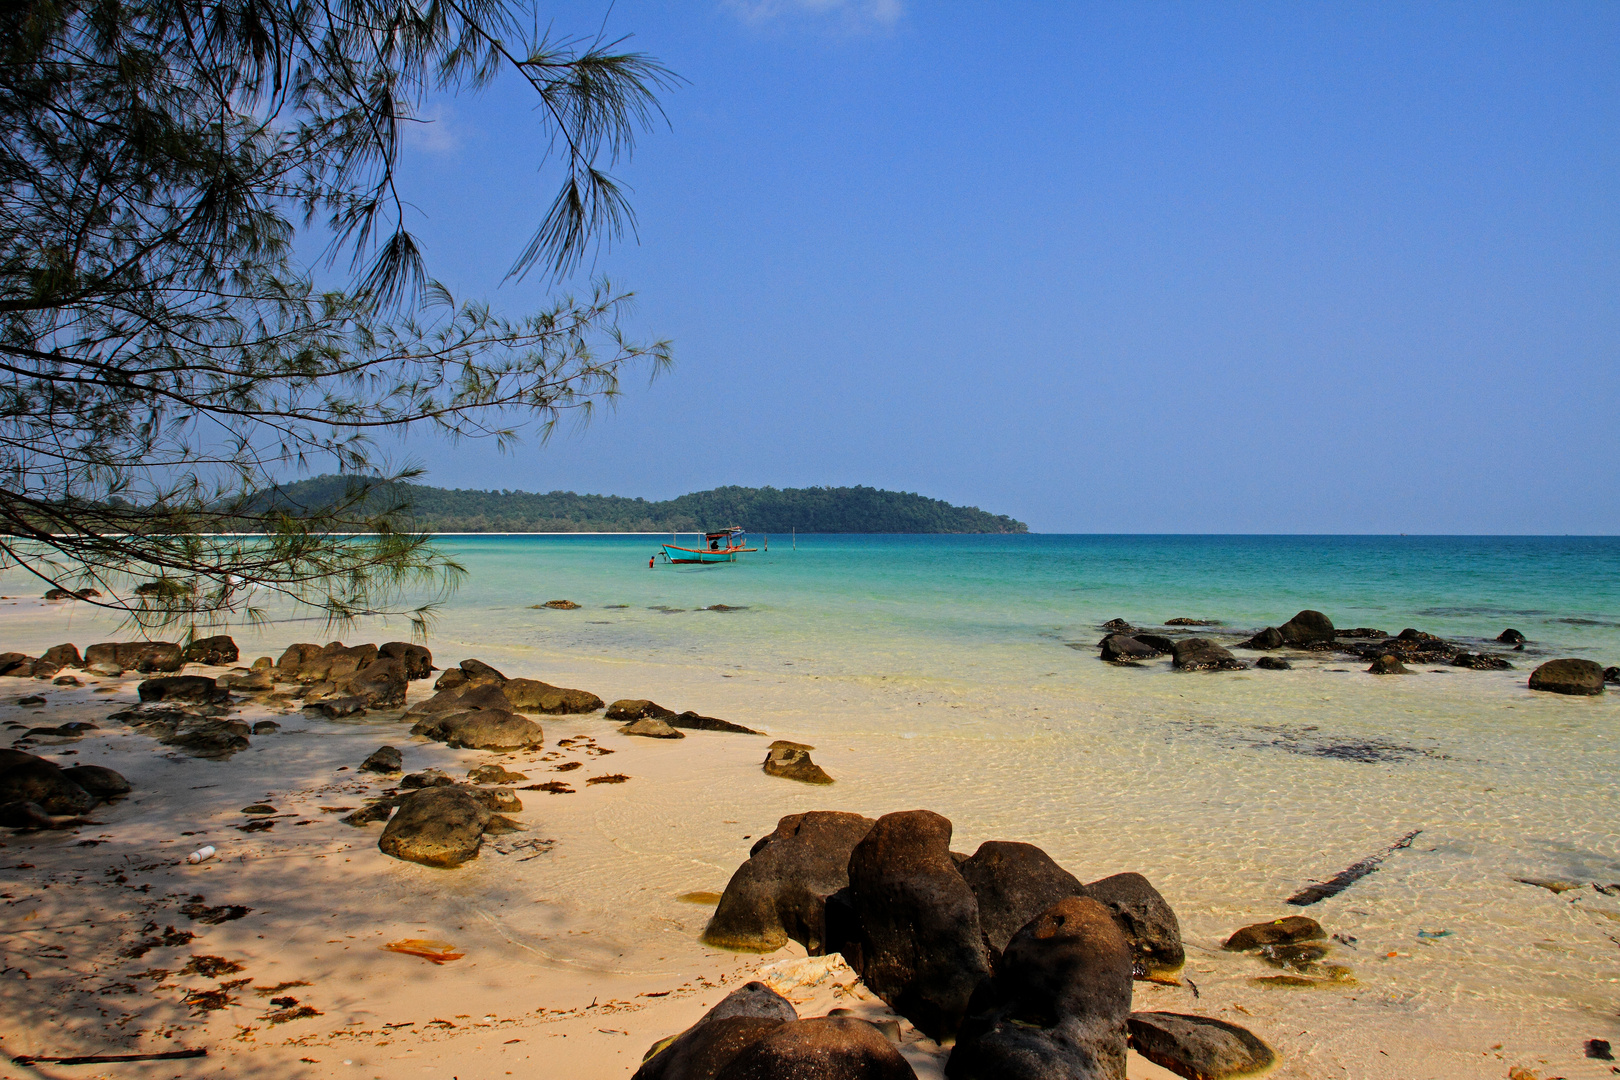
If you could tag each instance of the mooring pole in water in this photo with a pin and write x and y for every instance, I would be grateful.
(795, 538)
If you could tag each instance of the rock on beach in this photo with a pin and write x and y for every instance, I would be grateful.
(790, 761)
(1568, 676)
(1201, 654)
(1014, 882)
(781, 892)
(1198, 1046)
(436, 826)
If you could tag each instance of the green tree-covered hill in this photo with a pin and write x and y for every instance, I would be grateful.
(767, 509)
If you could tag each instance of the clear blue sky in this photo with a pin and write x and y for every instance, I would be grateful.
(1136, 267)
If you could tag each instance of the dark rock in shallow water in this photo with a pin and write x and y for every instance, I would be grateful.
(1285, 931)
(204, 738)
(1273, 663)
(1198, 1046)
(1119, 626)
(789, 761)
(921, 947)
(1410, 634)
(98, 780)
(693, 722)
(1568, 676)
(1201, 654)
(1511, 636)
(1056, 1007)
(1306, 628)
(823, 1048)
(1388, 665)
(1013, 883)
(1611, 674)
(1158, 641)
(1480, 662)
(1267, 639)
(781, 891)
(437, 826)
(630, 709)
(1121, 648)
(1360, 632)
(1184, 621)
(384, 759)
(1146, 919)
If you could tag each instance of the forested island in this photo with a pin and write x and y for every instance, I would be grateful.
(766, 509)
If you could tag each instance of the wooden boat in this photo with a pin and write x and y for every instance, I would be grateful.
(722, 546)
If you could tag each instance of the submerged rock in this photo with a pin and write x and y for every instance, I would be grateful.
(1198, 1046)
(1201, 654)
(1273, 663)
(1474, 661)
(652, 729)
(1568, 676)
(1388, 665)
(790, 761)
(437, 826)
(1119, 626)
(1511, 636)
(781, 892)
(1284, 931)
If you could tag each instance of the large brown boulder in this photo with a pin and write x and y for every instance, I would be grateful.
(1201, 654)
(64, 656)
(1568, 677)
(417, 659)
(142, 656)
(702, 1050)
(485, 729)
(214, 651)
(1146, 919)
(532, 695)
(436, 826)
(30, 779)
(1124, 649)
(921, 947)
(1057, 1005)
(631, 709)
(1198, 1046)
(1307, 628)
(1014, 882)
(823, 1048)
(781, 891)
(381, 684)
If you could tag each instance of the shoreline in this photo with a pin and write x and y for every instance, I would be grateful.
(624, 852)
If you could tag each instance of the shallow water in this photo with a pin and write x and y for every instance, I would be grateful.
(938, 672)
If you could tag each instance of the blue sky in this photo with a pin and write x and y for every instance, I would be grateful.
(1120, 267)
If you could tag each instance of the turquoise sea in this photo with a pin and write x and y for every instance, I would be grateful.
(960, 674)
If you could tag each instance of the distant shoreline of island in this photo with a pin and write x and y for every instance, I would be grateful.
(451, 511)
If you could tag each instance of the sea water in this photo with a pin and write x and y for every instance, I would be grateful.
(960, 674)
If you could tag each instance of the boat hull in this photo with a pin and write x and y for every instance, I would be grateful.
(699, 555)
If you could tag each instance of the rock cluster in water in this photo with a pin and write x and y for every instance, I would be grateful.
(1312, 631)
